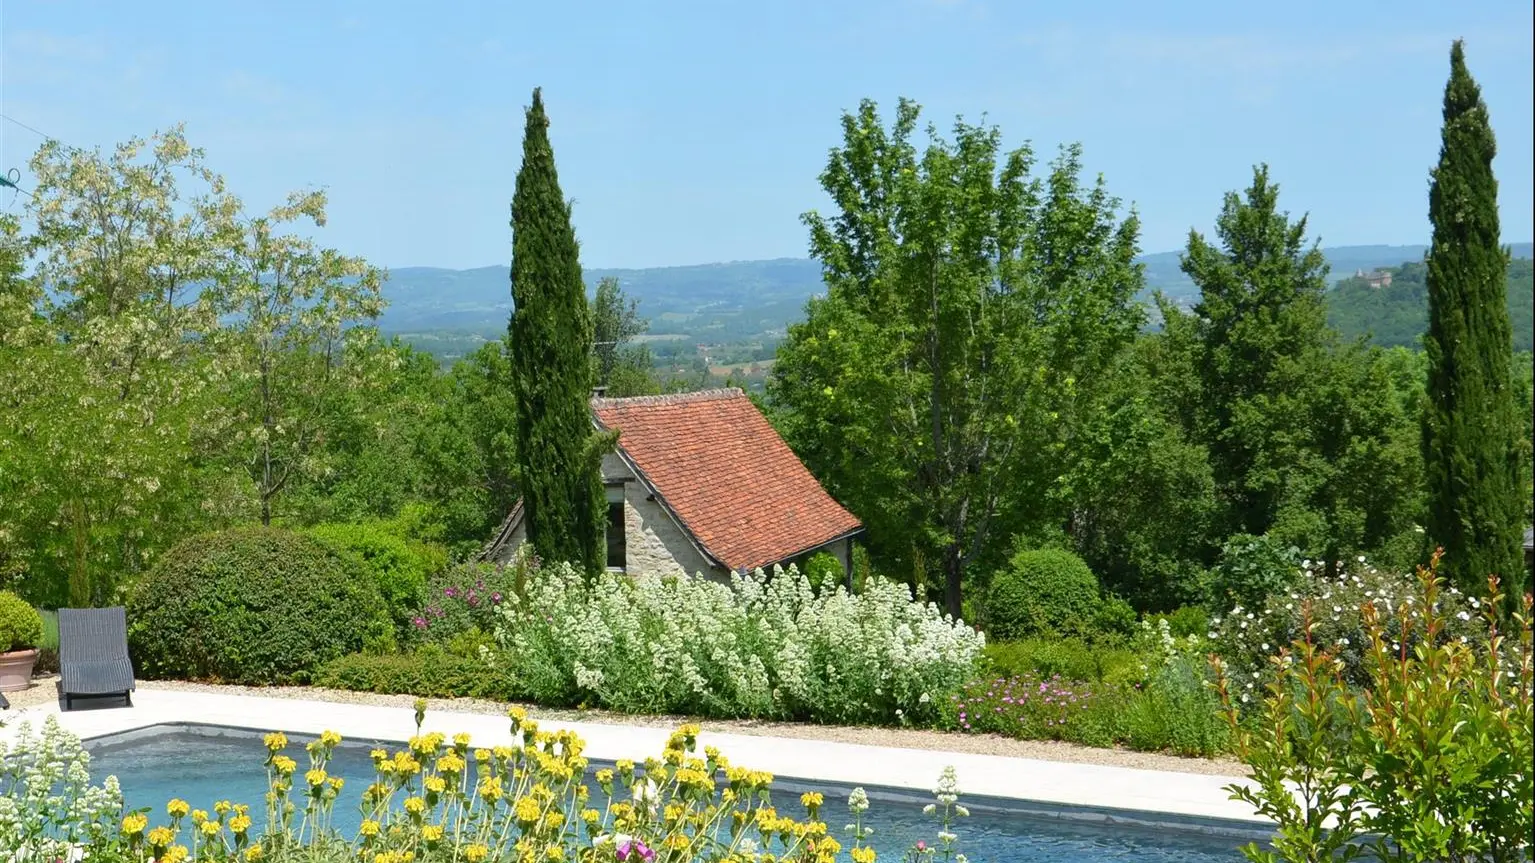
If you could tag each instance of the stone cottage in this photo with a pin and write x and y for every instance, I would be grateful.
(701, 484)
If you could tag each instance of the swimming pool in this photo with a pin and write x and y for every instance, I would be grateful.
(153, 765)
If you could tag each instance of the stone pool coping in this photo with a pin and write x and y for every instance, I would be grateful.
(1153, 798)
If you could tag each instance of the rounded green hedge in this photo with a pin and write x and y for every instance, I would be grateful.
(254, 606)
(21, 627)
(1042, 591)
(398, 567)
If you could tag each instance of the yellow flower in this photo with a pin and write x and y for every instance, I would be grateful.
(863, 855)
(177, 809)
(369, 828)
(590, 816)
(210, 829)
(431, 833)
(336, 784)
(553, 821)
(284, 765)
(315, 777)
(554, 853)
(605, 779)
(415, 806)
(276, 741)
(161, 837)
(174, 854)
(461, 741)
(517, 715)
(435, 784)
(379, 756)
(625, 767)
(526, 810)
(222, 807)
(134, 824)
(330, 738)
(482, 756)
(199, 816)
(450, 764)
(490, 789)
(253, 854)
(475, 853)
(239, 824)
(811, 799)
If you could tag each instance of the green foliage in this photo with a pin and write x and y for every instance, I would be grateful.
(1429, 760)
(1251, 569)
(429, 671)
(253, 606)
(1190, 620)
(1141, 485)
(397, 567)
(933, 387)
(1115, 617)
(1474, 455)
(558, 455)
(21, 628)
(1074, 659)
(621, 367)
(1042, 591)
(824, 572)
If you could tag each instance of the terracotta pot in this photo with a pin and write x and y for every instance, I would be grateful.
(16, 669)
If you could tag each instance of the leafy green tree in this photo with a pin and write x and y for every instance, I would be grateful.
(558, 452)
(1142, 494)
(623, 367)
(969, 312)
(301, 338)
(1471, 445)
(111, 416)
(1259, 325)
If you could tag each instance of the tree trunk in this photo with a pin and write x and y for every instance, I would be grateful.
(952, 572)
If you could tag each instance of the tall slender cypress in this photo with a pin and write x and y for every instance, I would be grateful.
(1471, 428)
(551, 344)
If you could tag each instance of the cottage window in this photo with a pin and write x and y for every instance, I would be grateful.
(615, 532)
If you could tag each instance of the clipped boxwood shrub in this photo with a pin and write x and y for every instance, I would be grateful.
(21, 628)
(252, 605)
(398, 567)
(1042, 591)
(429, 671)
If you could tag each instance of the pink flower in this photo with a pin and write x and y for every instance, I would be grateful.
(636, 849)
(420, 622)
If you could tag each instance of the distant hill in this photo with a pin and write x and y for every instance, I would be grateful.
(1397, 314)
(718, 303)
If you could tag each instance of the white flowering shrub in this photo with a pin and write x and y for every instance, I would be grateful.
(1247, 637)
(49, 810)
(757, 647)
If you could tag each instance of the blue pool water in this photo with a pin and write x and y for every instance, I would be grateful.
(202, 765)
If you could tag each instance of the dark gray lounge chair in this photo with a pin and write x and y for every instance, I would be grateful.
(5, 704)
(93, 654)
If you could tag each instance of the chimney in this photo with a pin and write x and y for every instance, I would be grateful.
(599, 392)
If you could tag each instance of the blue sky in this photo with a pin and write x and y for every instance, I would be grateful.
(690, 132)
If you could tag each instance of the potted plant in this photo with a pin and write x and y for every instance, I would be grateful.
(20, 630)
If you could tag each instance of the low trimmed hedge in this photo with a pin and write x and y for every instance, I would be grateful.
(429, 671)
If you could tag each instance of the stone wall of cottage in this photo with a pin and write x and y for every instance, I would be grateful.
(655, 543)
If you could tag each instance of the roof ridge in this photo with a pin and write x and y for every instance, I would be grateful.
(719, 394)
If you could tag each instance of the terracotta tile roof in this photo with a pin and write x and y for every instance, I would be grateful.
(730, 479)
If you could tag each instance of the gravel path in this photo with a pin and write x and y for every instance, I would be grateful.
(44, 690)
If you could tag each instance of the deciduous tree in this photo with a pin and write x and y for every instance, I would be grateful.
(969, 310)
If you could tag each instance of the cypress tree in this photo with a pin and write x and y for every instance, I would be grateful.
(1471, 429)
(558, 462)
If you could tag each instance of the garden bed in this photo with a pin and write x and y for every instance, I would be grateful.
(908, 738)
